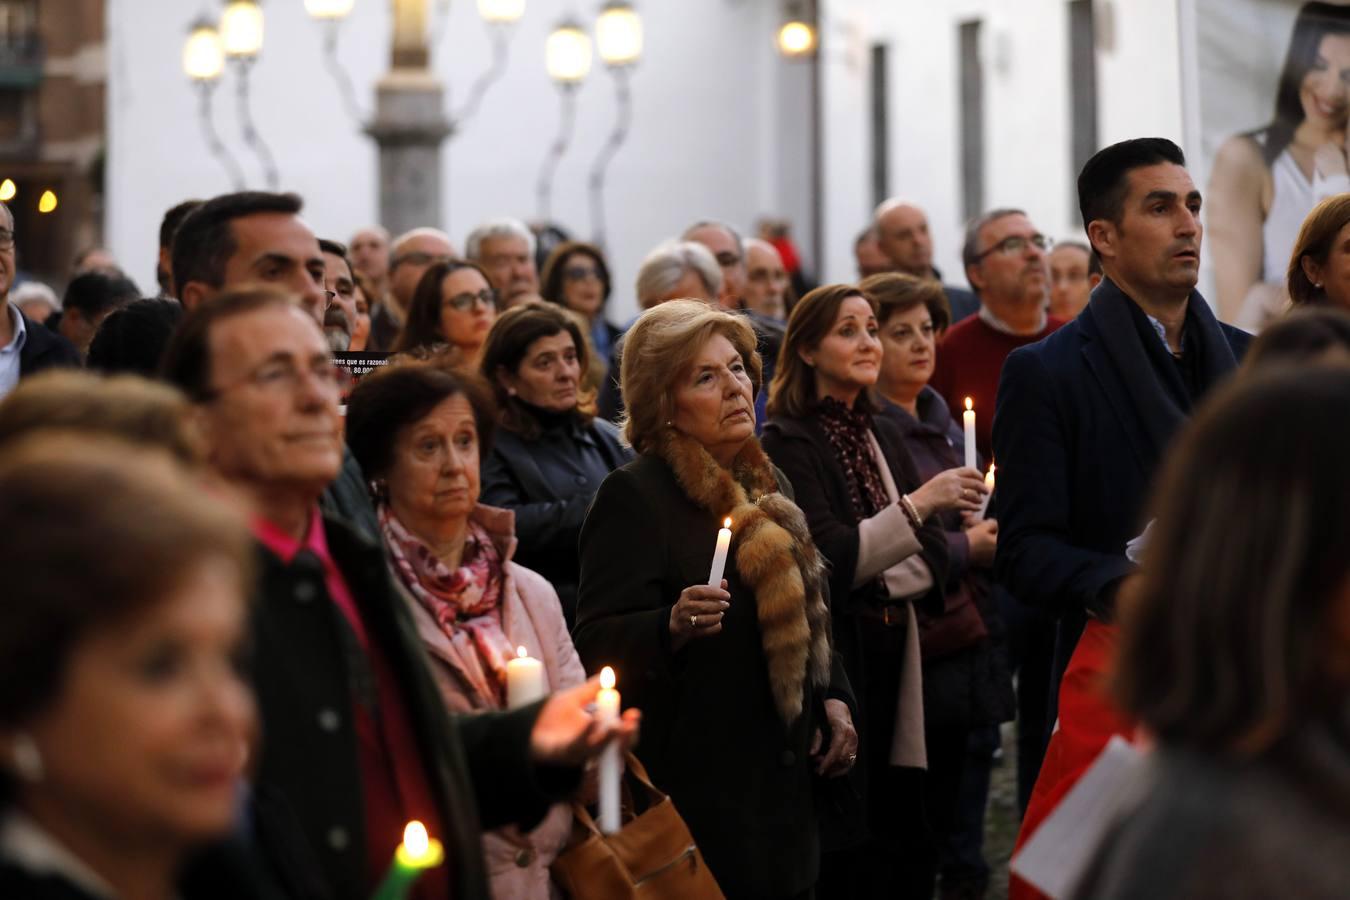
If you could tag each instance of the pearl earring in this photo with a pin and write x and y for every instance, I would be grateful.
(27, 758)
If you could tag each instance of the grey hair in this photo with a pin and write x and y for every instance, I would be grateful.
(713, 223)
(406, 236)
(8, 212)
(667, 264)
(971, 248)
(497, 228)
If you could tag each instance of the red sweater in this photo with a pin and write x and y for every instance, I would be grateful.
(969, 363)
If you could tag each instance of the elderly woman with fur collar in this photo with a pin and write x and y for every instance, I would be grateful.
(742, 697)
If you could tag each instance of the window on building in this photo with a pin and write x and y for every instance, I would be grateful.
(1082, 89)
(881, 151)
(972, 117)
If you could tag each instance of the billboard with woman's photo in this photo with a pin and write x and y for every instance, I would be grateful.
(1272, 95)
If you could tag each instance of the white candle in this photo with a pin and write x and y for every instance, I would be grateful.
(607, 712)
(968, 419)
(719, 564)
(989, 483)
(524, 680)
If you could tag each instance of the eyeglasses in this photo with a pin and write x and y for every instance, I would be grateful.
(6, 239)
(580, 273)
(465, 302)
(284, 377)
(419, 258)
(1011, 246)
(727, 259)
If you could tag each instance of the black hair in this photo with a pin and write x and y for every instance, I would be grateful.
(168, 226)
(133, 338)
(1299, 338)
(1104, 183)
(95, 293)
(1313, 22)
(204, 241)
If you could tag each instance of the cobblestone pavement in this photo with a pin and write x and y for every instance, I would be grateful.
(1000, 816)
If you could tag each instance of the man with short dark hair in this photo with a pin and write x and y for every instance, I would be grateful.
(1085, 417)
(250, 236)
(168, 226)
(89, 299)
(358, 739)
(25, 346)
(340, 285)
(902, 234)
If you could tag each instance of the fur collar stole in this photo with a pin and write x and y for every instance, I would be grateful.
(774, 556)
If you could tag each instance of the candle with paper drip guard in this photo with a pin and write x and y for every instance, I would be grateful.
(968, 419)
(525, 681)
(418, 852)
(989, 483)
(611, 763)
(719, 563)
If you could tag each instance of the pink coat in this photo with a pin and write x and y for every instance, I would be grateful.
(532, 618)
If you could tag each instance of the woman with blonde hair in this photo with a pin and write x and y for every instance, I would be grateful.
(743, 698)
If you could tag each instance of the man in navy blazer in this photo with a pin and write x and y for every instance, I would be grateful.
(1085, 416)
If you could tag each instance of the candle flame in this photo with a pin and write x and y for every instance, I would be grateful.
(726, 523)
(520, 652)
(607, 680)
(969, 403)
(989, 478)
(415, 839)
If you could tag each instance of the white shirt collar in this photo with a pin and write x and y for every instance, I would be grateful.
(26, 844)
(987, 316)
(20, 330)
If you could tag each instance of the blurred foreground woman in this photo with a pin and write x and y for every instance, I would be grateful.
(1235, 655)
(125, 719)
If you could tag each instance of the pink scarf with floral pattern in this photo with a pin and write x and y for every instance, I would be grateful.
(465, 602)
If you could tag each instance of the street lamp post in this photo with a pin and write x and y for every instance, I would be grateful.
(203, 62)
(618, 35)
(241, 34)
(567, 55)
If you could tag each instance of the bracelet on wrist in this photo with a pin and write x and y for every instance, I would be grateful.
(911, 512)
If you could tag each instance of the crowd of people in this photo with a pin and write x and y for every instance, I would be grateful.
(260, 614)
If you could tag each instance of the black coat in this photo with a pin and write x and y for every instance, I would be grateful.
(308, 666)
(711, 735)
(45, 349)
(542, 483)
(1079, 431)
(871, 651)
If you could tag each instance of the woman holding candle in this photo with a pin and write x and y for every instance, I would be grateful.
(420, 433)
(873, 520)
(742, 695)
(551, 452)
(454, 304)
(967, 689)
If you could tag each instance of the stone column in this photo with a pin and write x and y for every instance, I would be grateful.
(409, 126)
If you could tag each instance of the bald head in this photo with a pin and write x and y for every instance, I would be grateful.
(902, 234)
(414, 252)
(369, 253)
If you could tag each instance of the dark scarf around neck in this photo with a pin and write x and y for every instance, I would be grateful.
(774, 556)
(1155, 405)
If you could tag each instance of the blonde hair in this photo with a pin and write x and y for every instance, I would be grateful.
(659, 348)
(142, 412)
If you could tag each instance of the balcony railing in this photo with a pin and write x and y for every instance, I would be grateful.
(21, 57)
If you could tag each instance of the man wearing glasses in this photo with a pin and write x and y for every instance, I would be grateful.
(1005, 258)
(411, 254)
(25, 346)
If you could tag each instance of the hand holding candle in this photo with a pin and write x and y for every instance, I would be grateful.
(418, 852)
(719, 563)
(525, 682)
(611, 763)
(968, 420)
(984, 504)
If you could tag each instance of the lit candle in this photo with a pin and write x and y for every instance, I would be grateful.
(524, 680)
(719, 564)
(989, 483)
(607, 712)
(416, 854)
(968, 419)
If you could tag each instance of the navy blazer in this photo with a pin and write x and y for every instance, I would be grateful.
(1076, 447)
